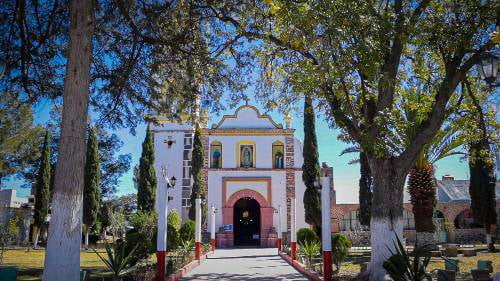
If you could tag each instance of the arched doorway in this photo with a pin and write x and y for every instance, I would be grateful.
(246, 214)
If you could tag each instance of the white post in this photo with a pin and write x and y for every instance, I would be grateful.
(197, 234)
(326, 228)
(212, 230)
(161, 240)
(293, 231)
(280, 231)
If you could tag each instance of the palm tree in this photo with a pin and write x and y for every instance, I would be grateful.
(421, 180)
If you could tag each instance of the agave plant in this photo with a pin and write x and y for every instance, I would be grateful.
(309, 250)
(401, 267)
(117, 261)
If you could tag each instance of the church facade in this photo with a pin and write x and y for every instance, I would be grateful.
(253, 167)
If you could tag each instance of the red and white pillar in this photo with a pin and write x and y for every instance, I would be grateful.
(293, 231)
(280, 231)
(212, 230)
(161, 240)
(326, 227)
(197, 233)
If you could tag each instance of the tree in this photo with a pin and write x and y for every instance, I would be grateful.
(65, 224)
(361, 61)
(482, 165)
(421, 180)
(91, 192)
(365, 183)
(146, 190)
(19, 139)
(198, 190)
(310, 169)
(42, 189)
(113, 166)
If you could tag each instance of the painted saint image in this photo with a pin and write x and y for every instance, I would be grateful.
(246, 155)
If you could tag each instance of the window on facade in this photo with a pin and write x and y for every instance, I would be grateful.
(408, 220)
(216, 155)
(278, 153)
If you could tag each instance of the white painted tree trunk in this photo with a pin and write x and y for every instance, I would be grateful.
(86, 238)
(382, 239)
(37, 233)
(62, 260)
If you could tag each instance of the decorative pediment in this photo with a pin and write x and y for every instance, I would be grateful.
(247, 117)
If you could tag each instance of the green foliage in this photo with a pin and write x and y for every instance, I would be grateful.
(482, 183)
(401, 267)
(306, 234)
(42, 186)
(117, 223)
(365, 191)
(91, 191)
(340, 248)
(310, 168)
(187, 231)
(143, 245)
(14, 228)
(199, 190)
(146, 188)
(172, 238)
(117, 260)
(174, 219)
(20, 141)
(309, 250)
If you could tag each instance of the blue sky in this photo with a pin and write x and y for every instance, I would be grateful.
(345, 176)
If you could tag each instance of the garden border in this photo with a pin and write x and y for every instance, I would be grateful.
(313, 276)
(183, 271)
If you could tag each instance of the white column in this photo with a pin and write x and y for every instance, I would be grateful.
(161, 208)
(197, 236)
(325, 218)
(280, 231)
(212, 224)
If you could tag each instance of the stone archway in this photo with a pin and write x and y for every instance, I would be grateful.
(267, 232)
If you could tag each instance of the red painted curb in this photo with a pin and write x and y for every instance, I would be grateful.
(313, 276)
(181, 272)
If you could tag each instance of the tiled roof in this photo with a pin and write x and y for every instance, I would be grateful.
(457, 191)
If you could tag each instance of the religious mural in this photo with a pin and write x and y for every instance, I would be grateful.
(246, 156)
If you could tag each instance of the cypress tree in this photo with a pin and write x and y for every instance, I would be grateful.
(482, 185)
(198, 190)
(311, 169)
(91, 193)
(146, 189)
(365, 192)
(42, 188)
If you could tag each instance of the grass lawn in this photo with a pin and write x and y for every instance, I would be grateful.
(30, 264)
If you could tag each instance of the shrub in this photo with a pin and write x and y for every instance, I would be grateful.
(309, 250)
(187, 231)
(144, 247)
(306, 234)
(174, 219)
(172, 237)
(340, 248)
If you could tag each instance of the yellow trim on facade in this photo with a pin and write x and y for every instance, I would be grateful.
(235, 115)
(248, 132)
(238, 149)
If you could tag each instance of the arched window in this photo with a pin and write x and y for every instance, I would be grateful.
(216, 155)
(408, 220)
(466, 220)
(278, 153)
(245, 153)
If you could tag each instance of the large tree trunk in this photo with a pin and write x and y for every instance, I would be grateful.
(62, 261)
(87, 230)
(37, 233)
(387, 213)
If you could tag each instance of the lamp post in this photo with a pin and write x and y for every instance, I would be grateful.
(280, 233)
(293, 234)
(162, 199)
(212, 229)
(488, 68)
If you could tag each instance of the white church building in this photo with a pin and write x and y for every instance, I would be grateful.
(253, 167)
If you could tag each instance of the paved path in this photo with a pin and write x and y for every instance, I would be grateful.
(256, 264)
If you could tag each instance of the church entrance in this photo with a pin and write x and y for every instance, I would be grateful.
(246, 222)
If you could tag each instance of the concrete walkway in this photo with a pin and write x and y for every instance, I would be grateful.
(256, 264)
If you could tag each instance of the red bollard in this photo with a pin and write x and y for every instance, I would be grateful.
(160, 266)
(294, 251)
